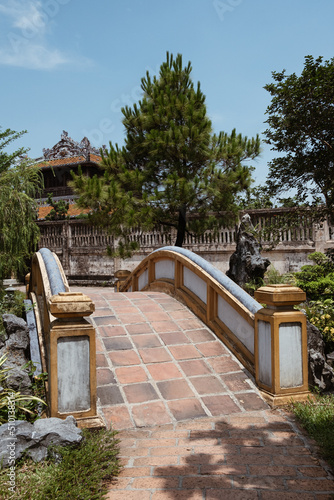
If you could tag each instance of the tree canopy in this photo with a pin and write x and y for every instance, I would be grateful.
(301, 126)
(173, 171)
(19, 182)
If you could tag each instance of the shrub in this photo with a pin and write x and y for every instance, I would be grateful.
(321, 314)
(317, 280)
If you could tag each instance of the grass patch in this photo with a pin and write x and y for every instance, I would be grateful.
(317, 417)
(83, 473)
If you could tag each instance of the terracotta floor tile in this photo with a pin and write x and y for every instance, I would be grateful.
(164, 326)
(154, 355)
(251, 401)
(207, 385)
(184, 352)
(186, 408)
(104, 376)
(105, 320)
(109, 394)
(201, 335)
(138, 393)
(175, 389)
(156, 316)
(220, 405)
(194, 367)
(124, 358)
(171, 338)
(117, 417)
(224, 364)
(147, 414)
(124, 309)
(236, 381)
(164, 371)
(99, 345)
(139, 328)
(117, 343)
(131, 374)
(112, 331)
(142, 341)
(189, 323)
(128, 319)
(214, 348)
(101, 360)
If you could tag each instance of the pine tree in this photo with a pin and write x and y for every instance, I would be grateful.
(172, 171)
(19, 182)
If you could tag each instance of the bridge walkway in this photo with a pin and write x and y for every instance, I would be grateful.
(192, 423)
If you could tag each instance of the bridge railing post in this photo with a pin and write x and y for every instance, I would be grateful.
(281, 359)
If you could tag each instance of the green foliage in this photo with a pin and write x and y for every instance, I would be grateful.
(19, 183)
(24, 406)
(11, 304)
(173, 172)
(59, 209)
(82, 474)
(301, 125)
(271, 277)
(321, 314)
(317, 416)
(317, 280)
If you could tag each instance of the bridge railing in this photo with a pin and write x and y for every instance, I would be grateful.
(66, 341)
(257, 336)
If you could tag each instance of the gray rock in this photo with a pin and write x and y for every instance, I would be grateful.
(246, 263)
(320, 373)
(19, 380)
(34, 439)
(13, 324)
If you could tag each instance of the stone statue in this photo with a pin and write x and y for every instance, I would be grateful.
(246, 263)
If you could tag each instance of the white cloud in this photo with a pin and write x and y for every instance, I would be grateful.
(26, 40)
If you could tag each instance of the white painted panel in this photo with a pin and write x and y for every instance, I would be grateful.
(195, 284)
(143, 280)
(165, 269)
(264, 346)
(290, 355)
(236, 323)
(73, 374)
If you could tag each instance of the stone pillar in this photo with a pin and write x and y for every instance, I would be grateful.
(281, 365)
(72, 359)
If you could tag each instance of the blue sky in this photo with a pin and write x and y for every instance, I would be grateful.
(71, 64)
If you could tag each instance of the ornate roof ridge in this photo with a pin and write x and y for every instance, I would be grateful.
(68, 147)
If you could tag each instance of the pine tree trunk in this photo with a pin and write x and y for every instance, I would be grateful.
(181, 227)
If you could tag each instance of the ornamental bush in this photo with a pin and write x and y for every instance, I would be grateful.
(317, 280)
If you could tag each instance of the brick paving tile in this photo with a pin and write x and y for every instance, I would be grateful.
(124, 358)
(117, 417)
(154, 355)
(220, 405)
(224, 364)
(236, 381)
(213, 348)
(109, 394)
(184, 352)
(315, 484)
(312, 471)
(164, 326)
(155, 482)
(104, 376)
(128, 495)
(251, 401)
(207, 385)
(201, 335)
(138, 393)
(131, 374)
(135, 471)
(285, 495)
(139, 328)
(124, 309)
(171, 338)
(178, 494)
(127, 319)
(214, 494)
(101, 360)
(175, 389)
(112, 331)
(164, 371)
(99, 345)
(156, 316)
(186, 409)
(142, 341)
(105, 320)
(117, 343)
(190, 324)
(148, 414)
(194, 367)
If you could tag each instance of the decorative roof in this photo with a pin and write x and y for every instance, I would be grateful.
(73, 211)
(68, 148)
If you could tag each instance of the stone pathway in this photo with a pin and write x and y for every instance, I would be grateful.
(192, 423)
